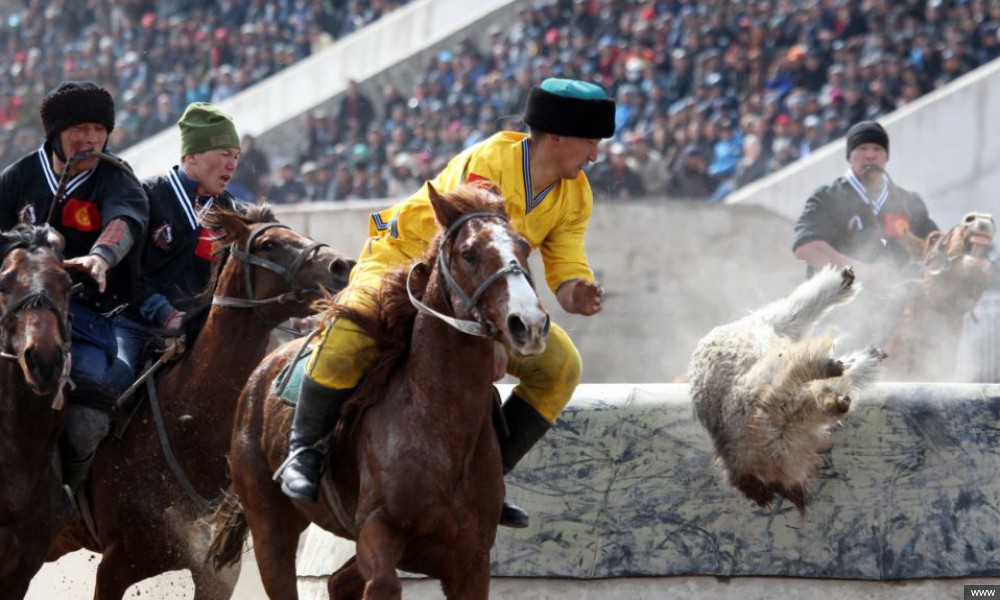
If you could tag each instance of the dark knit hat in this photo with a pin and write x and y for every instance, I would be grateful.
(75, 102)
(866, 132)
(572, 108)
(206, 127)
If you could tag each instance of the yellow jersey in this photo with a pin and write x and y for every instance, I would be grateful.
(554, 220)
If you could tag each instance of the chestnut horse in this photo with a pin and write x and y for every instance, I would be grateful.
(955, 269)
(147, 522)
(415, 475)
(34, 366)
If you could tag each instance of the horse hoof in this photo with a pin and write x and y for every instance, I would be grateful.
(514, 516)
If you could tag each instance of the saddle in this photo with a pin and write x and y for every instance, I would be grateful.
(286, 385)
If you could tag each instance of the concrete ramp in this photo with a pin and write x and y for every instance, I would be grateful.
(624, 487)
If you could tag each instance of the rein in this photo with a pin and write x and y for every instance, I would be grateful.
(480, 327)
(70, 162)
(298, 293)
(40, 299)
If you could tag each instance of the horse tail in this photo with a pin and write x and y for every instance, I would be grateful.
(229, 532)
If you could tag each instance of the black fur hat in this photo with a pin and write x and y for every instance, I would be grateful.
(75, 102)
(571, 108)
(866, 132)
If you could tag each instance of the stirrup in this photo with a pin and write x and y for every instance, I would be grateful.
(318, 447)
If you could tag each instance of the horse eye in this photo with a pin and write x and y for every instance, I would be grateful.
(469, 257)
(267, 245)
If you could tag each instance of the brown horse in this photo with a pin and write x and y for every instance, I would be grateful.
(415, 478)
(955, 271)
(149, 516)
(34, 365)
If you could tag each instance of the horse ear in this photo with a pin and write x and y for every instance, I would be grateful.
(444, 212)
(227, 226)
(55, 239)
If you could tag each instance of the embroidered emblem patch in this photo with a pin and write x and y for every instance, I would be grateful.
(855, 225)
(27, 215)
(163, 236)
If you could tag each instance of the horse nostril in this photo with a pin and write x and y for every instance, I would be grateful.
(548, 323)
(517, 329)
(43, 369)
(341, 269)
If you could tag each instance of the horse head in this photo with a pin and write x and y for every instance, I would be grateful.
(284, 271)
(484, 266)
(34, 299)
(956, 265)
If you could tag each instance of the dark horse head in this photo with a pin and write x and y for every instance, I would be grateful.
(955, 270)
(956, 263)
(34, 300)
(34, 364)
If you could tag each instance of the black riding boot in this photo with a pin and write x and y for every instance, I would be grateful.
(525, 427)
(316, 415)
(75, 472)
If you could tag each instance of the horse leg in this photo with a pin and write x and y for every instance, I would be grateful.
(118, 570)
(275, 526)
(16, 590)
(378, 552)
(210, 584)
(346, 583)
(471, 583)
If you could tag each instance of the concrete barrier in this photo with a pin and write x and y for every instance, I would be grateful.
(623, 487)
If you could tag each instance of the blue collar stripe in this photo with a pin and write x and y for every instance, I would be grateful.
(53, 180)
(531, 201)
(181, 193)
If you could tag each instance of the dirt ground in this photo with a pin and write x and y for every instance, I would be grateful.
(72, 578)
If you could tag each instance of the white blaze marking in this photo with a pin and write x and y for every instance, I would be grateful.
(522, 299)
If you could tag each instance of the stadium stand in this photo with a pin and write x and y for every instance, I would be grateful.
(749, 86)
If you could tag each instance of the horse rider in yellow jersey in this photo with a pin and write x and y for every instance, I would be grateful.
(549, 201)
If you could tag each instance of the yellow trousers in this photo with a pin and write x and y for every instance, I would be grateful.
(344, 352)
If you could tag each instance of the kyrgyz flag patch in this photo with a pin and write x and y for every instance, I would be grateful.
(81, 215)
(895, 225)
(205, 246)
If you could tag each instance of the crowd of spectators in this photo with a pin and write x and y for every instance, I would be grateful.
(711, 94)
(156, 56)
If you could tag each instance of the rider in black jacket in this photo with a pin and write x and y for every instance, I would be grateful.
(100, 209)
(176, 260)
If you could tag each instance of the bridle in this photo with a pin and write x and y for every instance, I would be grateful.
(290, 273)
(480, 327)
(61, 186)
(41, 299)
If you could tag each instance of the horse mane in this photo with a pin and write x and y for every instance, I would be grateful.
(390, 321)
(29, 237)
(197, 313)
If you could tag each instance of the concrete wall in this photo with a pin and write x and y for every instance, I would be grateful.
(943, 146)
(672, 271)
(624, 486)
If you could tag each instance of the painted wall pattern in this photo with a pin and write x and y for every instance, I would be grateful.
(624, 486)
